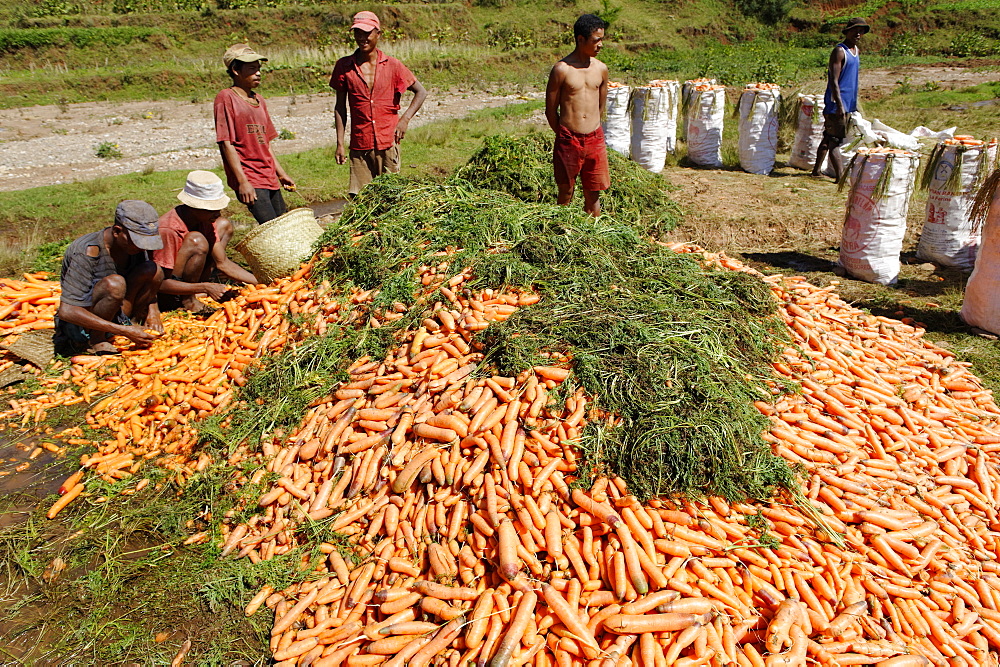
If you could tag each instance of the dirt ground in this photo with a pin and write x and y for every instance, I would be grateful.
(945, 75)
(47, 145)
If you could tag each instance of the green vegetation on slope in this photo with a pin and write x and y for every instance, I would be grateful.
(63, 51)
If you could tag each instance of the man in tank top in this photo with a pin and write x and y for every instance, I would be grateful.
(841, 97)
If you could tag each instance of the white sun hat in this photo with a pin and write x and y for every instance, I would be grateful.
(204, 190)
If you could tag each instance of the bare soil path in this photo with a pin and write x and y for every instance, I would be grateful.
(946, 76)
(46, 145)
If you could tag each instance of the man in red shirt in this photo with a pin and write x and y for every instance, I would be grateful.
(195, 235)
(372, 83)
(244, 131)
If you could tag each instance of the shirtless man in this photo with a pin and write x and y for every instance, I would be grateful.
(574, 100)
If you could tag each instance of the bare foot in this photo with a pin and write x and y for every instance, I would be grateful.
(196, 306)
(102, 348)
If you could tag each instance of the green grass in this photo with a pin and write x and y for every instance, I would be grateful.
(128, 577)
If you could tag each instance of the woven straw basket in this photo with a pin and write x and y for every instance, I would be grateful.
(277, 248)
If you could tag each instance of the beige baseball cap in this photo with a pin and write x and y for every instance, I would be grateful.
(244, 53)
(142, 223)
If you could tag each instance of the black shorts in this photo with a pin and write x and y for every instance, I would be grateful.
(835, 125)
(71, 339)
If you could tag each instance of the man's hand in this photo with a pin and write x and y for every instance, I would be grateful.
(401, 127)
(215, 291)
(341, 158)
(286, 182)
(138, 335)
(247, 195)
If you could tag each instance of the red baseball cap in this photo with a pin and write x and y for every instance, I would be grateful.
(366, 21)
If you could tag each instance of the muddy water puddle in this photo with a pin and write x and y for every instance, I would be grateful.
(20, 473)
(329, 211)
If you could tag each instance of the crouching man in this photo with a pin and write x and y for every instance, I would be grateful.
(109, 282)
(195, 235)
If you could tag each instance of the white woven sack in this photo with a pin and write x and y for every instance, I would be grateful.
(948, 238)
(652, 107)
(706, 112)
(875, 223)
(673, 112)
(758, 130)
(618, 122)
(686, 94)
(809, 133)
(981, 307)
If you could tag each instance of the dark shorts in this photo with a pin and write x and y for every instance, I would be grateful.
(268, 206)
(583, 155)
(71, 339)
(835, 126)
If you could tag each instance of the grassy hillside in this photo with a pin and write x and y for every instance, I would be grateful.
(59, 51)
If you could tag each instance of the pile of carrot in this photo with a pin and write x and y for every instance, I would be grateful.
(471, 536)
(968, 140)
(25, 305)
(700, 87)
(145, 400)
(471, 540)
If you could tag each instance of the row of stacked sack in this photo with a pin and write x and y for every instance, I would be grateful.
(962, 220)
(644, 122)
(880, 166)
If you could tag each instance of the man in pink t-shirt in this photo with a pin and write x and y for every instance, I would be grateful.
(195, 236)
(371, 84)
(244, 131)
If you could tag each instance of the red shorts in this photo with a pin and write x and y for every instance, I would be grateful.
(584, 155)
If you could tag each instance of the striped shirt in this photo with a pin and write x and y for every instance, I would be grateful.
(80, 272)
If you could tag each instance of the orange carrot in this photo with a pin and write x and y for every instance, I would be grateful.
(638, 623)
